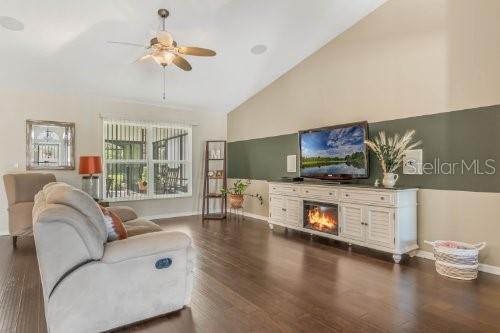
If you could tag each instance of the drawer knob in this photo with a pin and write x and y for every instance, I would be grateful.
(283, 209)
(347, 195)
(330, 193)
(294, 190)
(382, 198)
(307, 191)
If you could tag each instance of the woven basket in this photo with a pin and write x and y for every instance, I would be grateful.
(461, 272)
(456, 259)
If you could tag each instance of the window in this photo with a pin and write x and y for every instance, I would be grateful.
(146, 161)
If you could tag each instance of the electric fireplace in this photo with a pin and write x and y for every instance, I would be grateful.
(321, 216)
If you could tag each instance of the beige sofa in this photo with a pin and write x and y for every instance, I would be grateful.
(91, 285)
(20, 189)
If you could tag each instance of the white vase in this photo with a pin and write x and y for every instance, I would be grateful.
(390, 179)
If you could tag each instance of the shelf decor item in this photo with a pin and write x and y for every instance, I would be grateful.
(237, 193)
(457, 260)
(390, 151)
(90, 166)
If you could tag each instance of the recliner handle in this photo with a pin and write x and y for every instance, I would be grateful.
(163, 263)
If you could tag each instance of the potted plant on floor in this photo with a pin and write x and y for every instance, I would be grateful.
(237, 193)
(390, 152)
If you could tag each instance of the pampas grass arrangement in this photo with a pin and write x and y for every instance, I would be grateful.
(390, 151)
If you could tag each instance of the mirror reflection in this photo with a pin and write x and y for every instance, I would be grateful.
(50, 145)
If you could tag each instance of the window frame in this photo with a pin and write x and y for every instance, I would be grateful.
(149, 161)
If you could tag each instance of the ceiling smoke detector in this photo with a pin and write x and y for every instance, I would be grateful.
(11, 23)
(258, 49)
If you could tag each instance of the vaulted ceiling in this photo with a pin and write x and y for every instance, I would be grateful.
(63, 47)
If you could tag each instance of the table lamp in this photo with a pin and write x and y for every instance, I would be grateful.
(90, 166)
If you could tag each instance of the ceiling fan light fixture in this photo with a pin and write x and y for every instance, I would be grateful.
(163, 58)
(165, 38)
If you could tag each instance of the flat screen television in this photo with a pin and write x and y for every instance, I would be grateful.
(335, 152)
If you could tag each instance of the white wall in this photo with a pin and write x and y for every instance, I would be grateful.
(17, 107)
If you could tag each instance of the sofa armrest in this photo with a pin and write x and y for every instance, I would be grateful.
(125, 213)
(145, 245)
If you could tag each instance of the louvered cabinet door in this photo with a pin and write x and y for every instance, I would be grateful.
(293, 211)
(277, 208)
(380, 226)
(352, 222)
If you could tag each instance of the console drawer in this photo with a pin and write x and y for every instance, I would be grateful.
(283, 189)
(378, 198)
(325, 193)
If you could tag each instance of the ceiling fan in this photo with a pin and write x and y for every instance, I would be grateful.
(163, 49)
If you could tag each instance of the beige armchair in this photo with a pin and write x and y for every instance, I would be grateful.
(21, 189)
(92, 285)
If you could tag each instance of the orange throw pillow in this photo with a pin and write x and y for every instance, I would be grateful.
(114, 225)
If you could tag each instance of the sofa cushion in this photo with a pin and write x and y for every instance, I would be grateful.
(114, 225)
(124, 212)
(140, 226)
(80, 201)
(49, 185)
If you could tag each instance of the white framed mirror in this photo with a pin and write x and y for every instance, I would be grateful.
(50, 145)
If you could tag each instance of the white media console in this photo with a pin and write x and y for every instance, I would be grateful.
(378, 218)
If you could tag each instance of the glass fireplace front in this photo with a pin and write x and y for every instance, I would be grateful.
(321, 216)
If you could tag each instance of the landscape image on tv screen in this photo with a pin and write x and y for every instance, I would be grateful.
(334, 152)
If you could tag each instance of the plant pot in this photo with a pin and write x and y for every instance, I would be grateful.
(143, 187)
(390, 179)
(236, 201)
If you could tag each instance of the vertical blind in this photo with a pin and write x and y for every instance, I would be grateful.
(146, 160)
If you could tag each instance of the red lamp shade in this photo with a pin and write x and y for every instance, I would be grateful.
(90, 165)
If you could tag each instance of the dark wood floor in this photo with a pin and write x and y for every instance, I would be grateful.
(251, 279)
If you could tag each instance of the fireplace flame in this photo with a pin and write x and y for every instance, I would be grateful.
(321, 221)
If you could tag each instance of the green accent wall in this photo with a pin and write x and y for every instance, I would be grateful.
(261, 158)
(469, 135)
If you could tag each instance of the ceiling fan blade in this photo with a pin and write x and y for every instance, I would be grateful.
(181, 63)
(125, 43)
(144, 58)
(196, 51)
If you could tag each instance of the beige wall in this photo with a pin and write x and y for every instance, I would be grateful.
(86, 112)
(407, 58)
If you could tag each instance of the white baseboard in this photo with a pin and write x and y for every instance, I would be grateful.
(170, 215)
(255, 216)
(482, 267)
(425, 254)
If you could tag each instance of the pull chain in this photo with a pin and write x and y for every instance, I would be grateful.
(164, 83)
